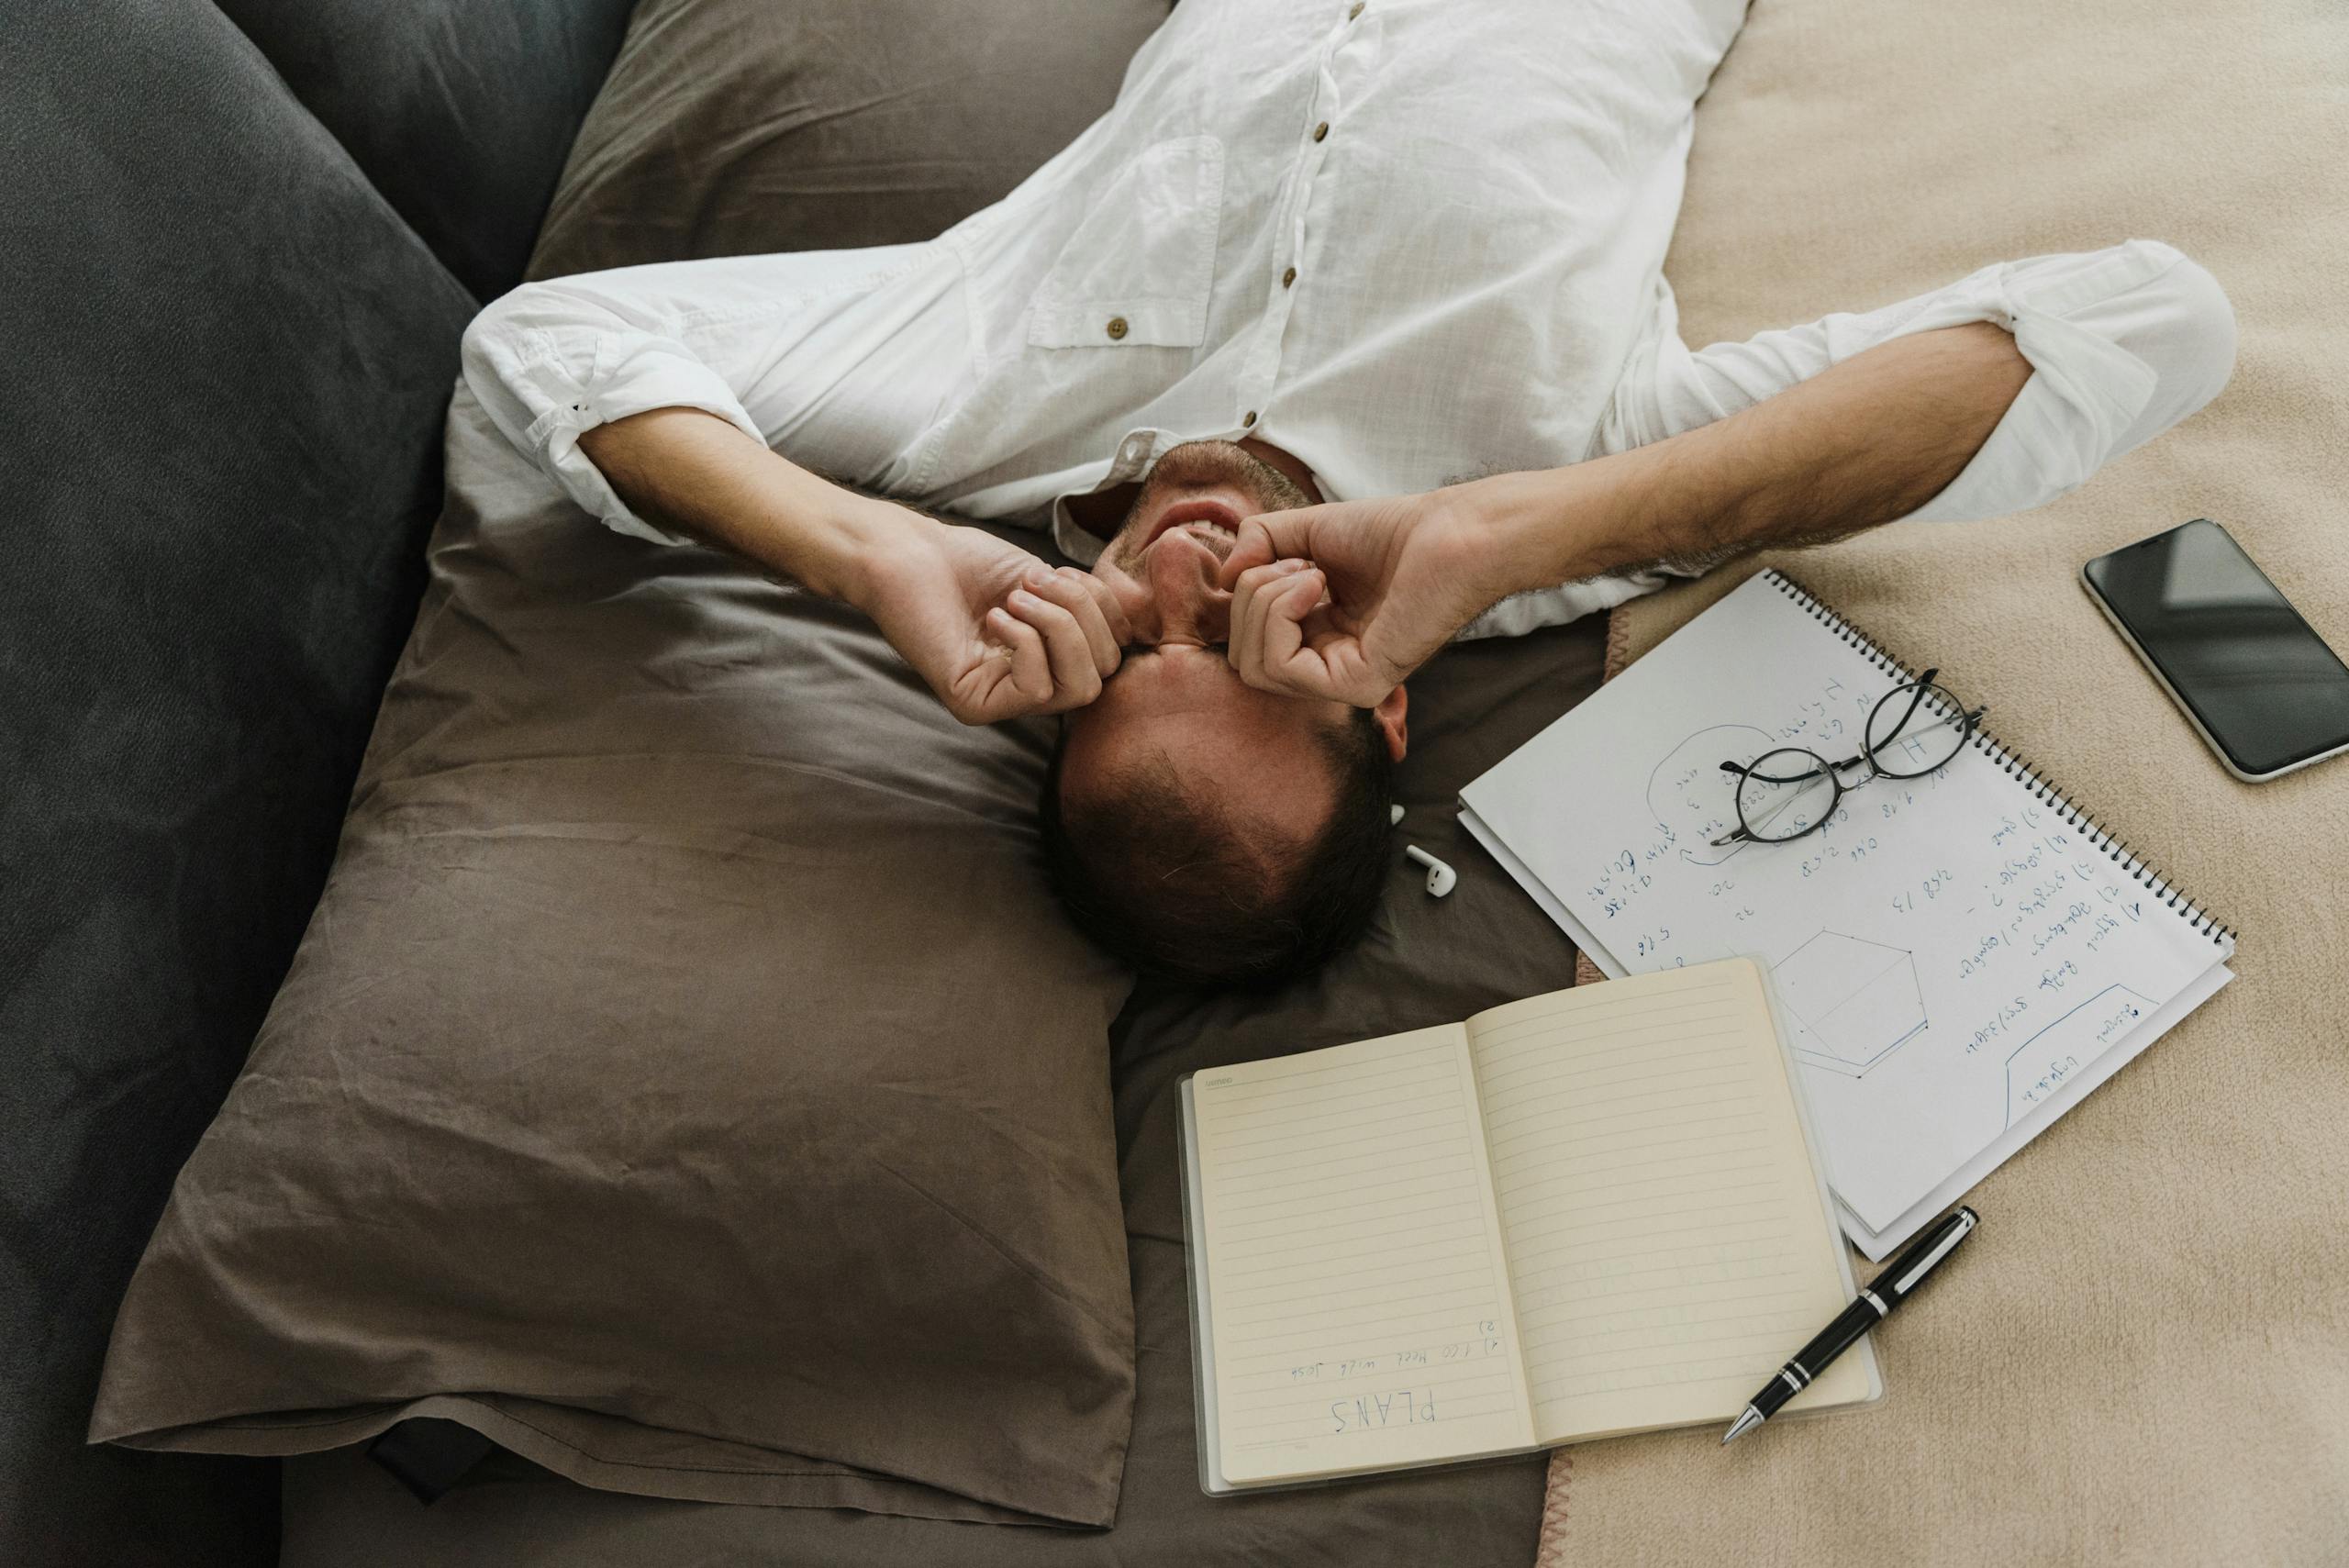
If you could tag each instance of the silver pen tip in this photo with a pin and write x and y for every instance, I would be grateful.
(1743, 1425)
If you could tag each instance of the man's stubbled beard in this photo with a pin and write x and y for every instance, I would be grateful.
(1191, 464)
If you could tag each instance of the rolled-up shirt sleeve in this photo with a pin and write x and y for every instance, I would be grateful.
(779, 346)
(2123, 343)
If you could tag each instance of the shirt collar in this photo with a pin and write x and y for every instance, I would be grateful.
(1135, 451)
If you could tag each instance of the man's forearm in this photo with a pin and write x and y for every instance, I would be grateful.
(693, 472)
(1863, 442)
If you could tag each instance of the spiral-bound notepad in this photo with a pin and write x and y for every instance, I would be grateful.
(1959, 958)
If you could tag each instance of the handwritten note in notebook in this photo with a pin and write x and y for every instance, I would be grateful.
(1960, 956)
(1590, 1213)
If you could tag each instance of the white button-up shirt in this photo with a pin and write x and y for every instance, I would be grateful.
(1409, 241)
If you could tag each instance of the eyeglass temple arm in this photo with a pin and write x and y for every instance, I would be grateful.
(1942, 723)
(1734, 834)
(1748, 772)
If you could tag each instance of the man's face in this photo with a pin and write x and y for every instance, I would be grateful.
(1175, 691)
(1182, 524)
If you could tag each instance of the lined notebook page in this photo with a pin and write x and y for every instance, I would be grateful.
(1663, 1220)
(1359, 1305)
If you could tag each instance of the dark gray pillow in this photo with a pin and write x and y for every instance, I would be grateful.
(687, 1079)
(736, 127)
(227, 367)
(459, 112)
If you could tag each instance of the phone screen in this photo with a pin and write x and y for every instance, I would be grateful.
(2258, 678)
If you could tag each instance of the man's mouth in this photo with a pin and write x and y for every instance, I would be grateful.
(1213, 523)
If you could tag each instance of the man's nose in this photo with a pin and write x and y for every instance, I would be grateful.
(1191, 608)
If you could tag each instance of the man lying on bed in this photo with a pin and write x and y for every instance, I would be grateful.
(1389, 272)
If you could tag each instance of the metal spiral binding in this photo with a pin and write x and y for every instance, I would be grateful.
(2034, 781)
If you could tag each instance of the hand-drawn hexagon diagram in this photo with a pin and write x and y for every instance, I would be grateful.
(1859, 1000)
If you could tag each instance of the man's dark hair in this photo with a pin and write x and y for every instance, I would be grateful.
(1160, 879)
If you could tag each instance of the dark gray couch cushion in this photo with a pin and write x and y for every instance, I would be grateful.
(227, 362)
(733, 126)
(460, 111)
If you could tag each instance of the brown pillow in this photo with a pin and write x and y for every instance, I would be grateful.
(685, 1080)
(736, 127)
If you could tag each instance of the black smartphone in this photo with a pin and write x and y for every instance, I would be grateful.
(2245, 668)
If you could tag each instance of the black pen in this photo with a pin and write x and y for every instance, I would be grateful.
(1888, 1290)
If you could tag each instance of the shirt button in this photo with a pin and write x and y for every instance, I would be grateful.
(1321, 131)
(1117, 327)
(1249, 417)
(1288, 277)
(1356, 11)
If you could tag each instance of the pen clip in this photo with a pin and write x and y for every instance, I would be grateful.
(1962, 1225)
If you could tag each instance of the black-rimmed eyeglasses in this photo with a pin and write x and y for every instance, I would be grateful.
(1787, 793)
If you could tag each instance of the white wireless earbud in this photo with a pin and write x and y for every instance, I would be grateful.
(1440, 877)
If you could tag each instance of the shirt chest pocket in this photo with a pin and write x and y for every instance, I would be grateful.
(1140, 265)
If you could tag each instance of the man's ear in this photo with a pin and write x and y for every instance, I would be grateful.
(1390, 714)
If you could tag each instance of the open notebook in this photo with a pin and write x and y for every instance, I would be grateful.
(1584, 1214)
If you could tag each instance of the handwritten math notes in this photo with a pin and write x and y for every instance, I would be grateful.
(1950, 952)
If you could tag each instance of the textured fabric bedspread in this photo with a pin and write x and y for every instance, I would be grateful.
(2145, 1357)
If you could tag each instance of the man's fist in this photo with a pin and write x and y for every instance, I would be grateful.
(996, 632)
(1346, 600)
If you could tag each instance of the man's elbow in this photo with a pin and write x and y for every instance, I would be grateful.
(491, 346)
(529, 350)
(2190, 343)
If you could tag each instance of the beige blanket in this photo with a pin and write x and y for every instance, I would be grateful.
(2143, 1358)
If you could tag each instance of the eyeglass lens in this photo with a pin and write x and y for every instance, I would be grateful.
(1785, 793)
(1914, 730)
